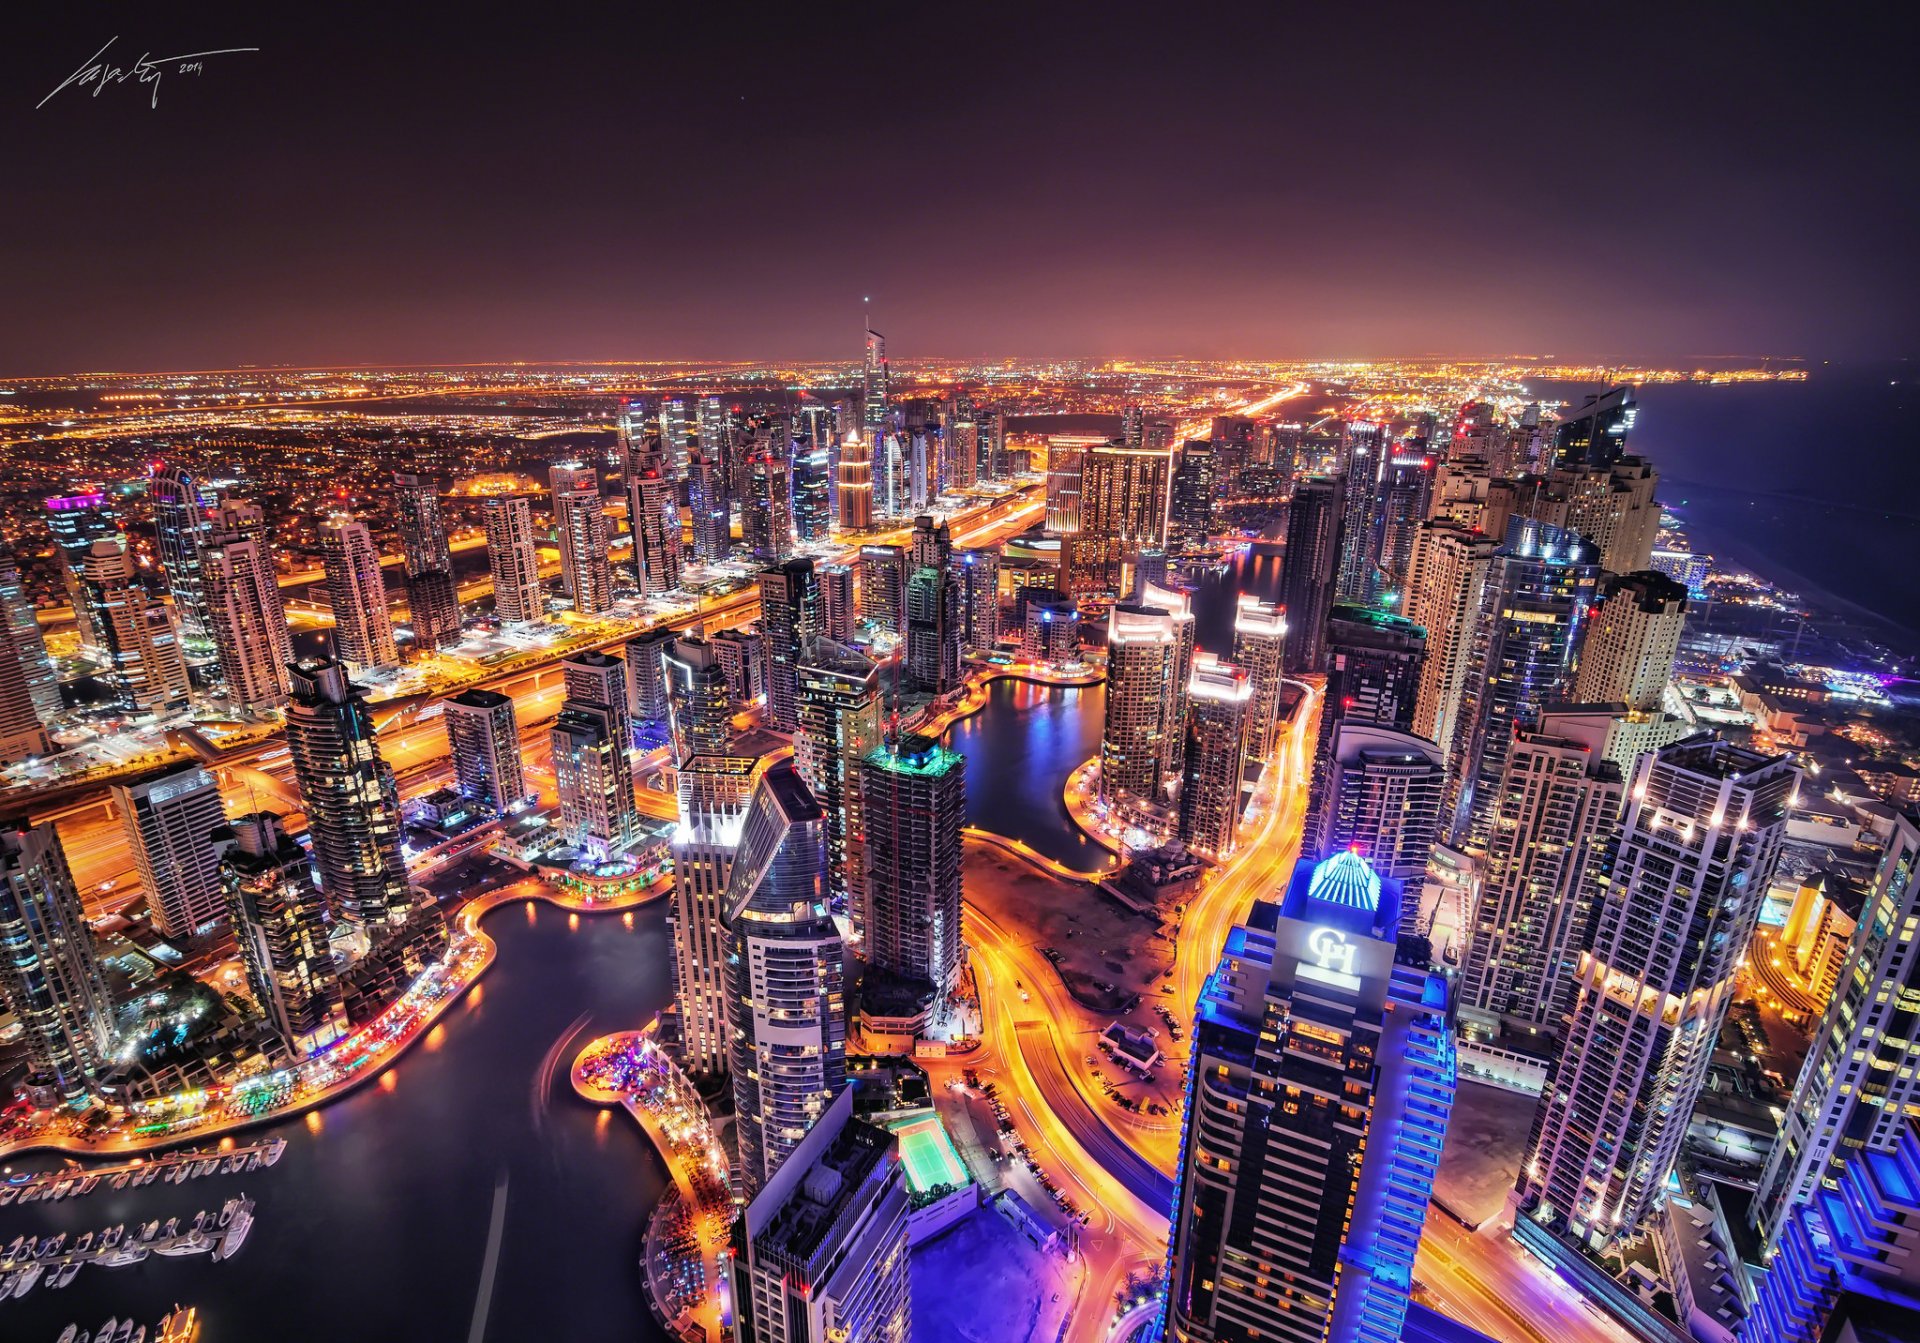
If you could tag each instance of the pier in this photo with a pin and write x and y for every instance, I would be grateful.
(26, 1263)
(74, 1181)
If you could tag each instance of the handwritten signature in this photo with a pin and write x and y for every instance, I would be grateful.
(146, 70)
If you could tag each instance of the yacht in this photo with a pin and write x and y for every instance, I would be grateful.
(88, 1185)
(274, 1149)
(8, 1193)
(65, 1273)
(150, 1230)
(171, 1229)
(13, 1248)
(70, 1334)
(28, 1278)
(235, 1233)
(53, 1246)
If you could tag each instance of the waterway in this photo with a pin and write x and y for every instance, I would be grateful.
(374, 1224)
(1020, 750)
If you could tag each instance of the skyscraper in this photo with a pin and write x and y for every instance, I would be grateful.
(1363, 460)
(1308, 571)
(518, 595)
(913, 797)
(179, 527)
(594, 677)
(362, 629)
(1596, 434)
(874, 387)
(50, 976)
(648, 699)
(784, 967)
(433, 598)
(244, 610)
(883, 587)
(934, 630)
(813, 482)
(593, 776)
(710, 502)
(1178, 604)
(789, 616)
(29, 690)
(1633, 636)
(678, 435)
(714, 791)
(1373, 675)
(822, 1253)
(1557, 812)
(1259, 646)
(838, 614)
(1136, 738)
(1858, 1089)
(979, 575)
(580, 522)
(169, 822)
(1698, 845)
(1317, 1099)
(654, 516)
(1124, 497)
(1194, 493)
(1444, 592)
(1219, 696)
(348, 794)
(1402, 508)
(75, 521)
(839, 727)
(1384, 792)
(766, 518)
(483, 737)
(280, 924)
(697, 697)
(1532, 609)
(145, 667)
(1065, 465)
(855, 483)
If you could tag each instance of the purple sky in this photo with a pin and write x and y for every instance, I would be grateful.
(381, 185)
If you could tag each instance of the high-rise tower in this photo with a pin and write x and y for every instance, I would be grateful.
(433, 598)
(280, 924)
(1259, 646)
(789, 616)
(713, 794)
(362, 628)
(244, 609)
(29, 689)
(146, 669)
(914, 806)
(518, 594)
(654, 516)
(1309, 569)
(50, 976)
(1219, 697)
(179, 528)
(839, 726)
(580, 522)
(169, 822)
(483, 737)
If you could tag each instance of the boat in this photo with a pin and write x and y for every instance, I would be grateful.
(150, 1230)
(274, 1149)
(88, 1185)
(191, 1243)
(13, 1247)
(171, 1229)
(53, 1246)
(69, 1335)
(236, 1232)
(203, 1220)
(125, 1333)
(126, 1254)
(65, 1273)
(139, 1334)
(120, 1181)
(84, 1244)
(105, 1331)
(28, 1279)
(8, 1193)
(111, 1237)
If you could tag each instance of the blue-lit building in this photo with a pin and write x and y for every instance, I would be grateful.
(812, 490)
(1317, 1101)
(1848, 1262)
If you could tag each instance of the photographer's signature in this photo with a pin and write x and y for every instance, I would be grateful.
(100, 73)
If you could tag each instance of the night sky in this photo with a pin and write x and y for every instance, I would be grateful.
(699, 181)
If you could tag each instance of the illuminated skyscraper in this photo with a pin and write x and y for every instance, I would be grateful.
(1195, 492)
(1317, 1099)
(592, 775)
(636, 436)
(1308, 571)
(433, 598)
(50, 978)
(654, 516)
(812, 491)
(785, 964)
(75, 521)
(357, 591)
(647, 695)
(580, 522)
(145, 668)
(1142, 653)
(1178, 604)
(348, 794)
(963, 454)
(1557, 811)
(678, 435)
(169, 822)
(29, 690)
(1124, 496)
(518, 595)
(1532, 610)
(979, 575)
(934, 630)
(1402, 508)
(1859, 1088)
(1384, 792)
(789, 616)
(1632, 639)
(883, 587)
(874, 387)
(713, 793)
(599, 678)
(280, 925)
(1698, 846)
(1596, 434)
(179, 529)
(244, 610)
(822, 1253)
(839, 726)
(1219, 697)
(1065, 463)
(1444, 592)
(1362, 464)
(697, 697)
(1259, 646)
(913, 808)
(838, 614)
(713, 429)
(1373, 675)
(710, 502)
(483, 737)
(766, 518)
(855, 494)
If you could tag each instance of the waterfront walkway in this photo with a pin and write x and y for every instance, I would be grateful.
(350, 1063)
(631, 1070)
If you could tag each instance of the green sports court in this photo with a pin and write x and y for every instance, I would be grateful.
(928, 1154)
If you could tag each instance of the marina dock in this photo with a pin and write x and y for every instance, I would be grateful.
(28, 1263)
(75, 1181)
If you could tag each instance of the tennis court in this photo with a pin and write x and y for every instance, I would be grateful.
(928, 1154)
